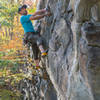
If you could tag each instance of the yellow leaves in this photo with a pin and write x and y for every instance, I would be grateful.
(14, 45)
(18, 77)
(11, 78)
(0, 74)
(11, 57)
(33, 70)
(4, 73)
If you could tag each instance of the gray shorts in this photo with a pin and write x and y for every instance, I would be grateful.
(32, 37)
(35, 40)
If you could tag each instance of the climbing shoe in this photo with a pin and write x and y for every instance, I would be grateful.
(44, 54)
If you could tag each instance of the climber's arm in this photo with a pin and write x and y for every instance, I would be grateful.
(39, 12)
(37, 17)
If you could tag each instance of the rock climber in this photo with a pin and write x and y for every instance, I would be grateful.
(30, 35)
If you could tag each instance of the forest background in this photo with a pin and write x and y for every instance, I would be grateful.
(12, 50)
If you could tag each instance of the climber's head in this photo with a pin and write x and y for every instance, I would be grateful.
(22, 10)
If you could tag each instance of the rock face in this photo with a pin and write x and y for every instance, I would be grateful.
(72, 35)
(37, 89)
(90, 56)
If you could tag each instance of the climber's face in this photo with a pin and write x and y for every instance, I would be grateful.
(23, 11)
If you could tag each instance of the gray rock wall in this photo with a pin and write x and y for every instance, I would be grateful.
(72, 35)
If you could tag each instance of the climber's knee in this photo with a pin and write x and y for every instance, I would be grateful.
(31, 38)
(39, 41)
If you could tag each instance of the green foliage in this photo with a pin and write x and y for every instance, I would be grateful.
(2, 82)
(7, 13)
(11, 61)
(8, 63)
(9, 95)
(4, 63)
(2, 54)
(32, 10)
(15, 67)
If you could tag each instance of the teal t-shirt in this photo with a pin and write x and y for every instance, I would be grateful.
(26, 23)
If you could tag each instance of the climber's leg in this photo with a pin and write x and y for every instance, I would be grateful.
(40, 45)
(43, 52)
(28, 38)
(35, 38)
(35, 55)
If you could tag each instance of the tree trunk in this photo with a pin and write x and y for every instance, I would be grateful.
(6, 32)
(9, 31)
(11, 36)
(17, 20)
